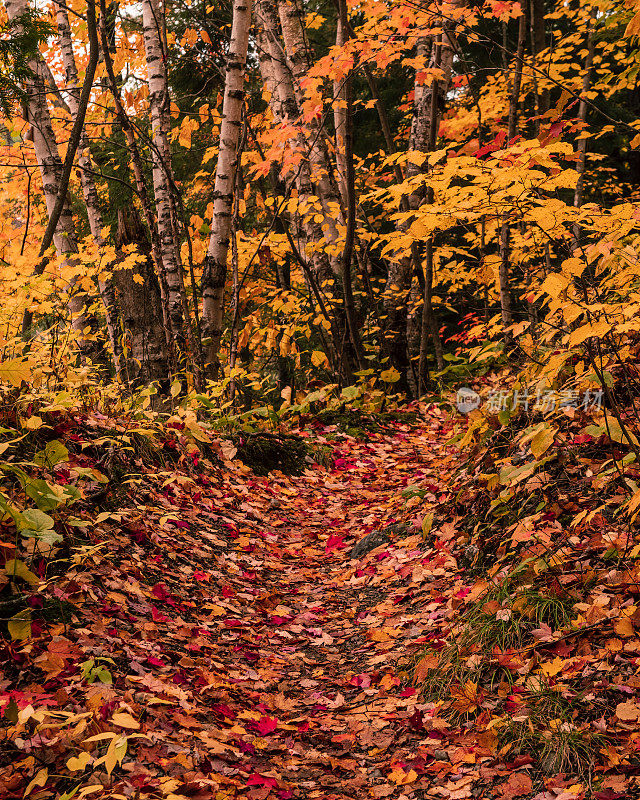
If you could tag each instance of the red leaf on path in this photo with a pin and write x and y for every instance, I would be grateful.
(415, 721)
(199, 575)
(519, 783)
(224, 710)
(160, 592)
(156, 662)
(543, 633)
(334, 542)
(266, 725)
(255, 779)
(158, 616)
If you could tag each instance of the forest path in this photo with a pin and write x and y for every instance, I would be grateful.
(322, 637)
(248, 655)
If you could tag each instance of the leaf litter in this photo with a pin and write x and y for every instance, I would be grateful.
(220, 642)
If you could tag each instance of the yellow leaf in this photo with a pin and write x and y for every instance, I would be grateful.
(400, 777)
(542, 441)
(17, 568)
(20, 625)
(318, 358)
(124, 720)
(584, 332)
(197, 432)
(15, 371)
(623, 627)
(554, 284)
(111, 757)
(628, 712)
(390, 375)
(33, 423)
(633, 28)
(39, 780)
(552, 668)
(76, 763)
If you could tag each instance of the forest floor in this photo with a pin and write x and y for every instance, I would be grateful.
(253, 654)
(221, 642)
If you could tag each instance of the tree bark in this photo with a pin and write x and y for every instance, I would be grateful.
(215, 266)
(140, 304)
(346, 152)
(582, 115)
(159, 104)
(504, 269)
(429, 324)
(54, 173)
(141, 188)
(340, 113)
(538, 44)
(303, 228)
(429, 104)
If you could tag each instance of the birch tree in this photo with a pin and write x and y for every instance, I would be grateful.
(215, 266)
(160, 107)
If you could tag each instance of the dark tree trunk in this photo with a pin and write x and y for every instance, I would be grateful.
(138, 297)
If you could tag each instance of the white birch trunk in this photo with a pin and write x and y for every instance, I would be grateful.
(48, 157)
(44, 142)
(159, 104)
(299, 60)
(340, 118)
(215, 266)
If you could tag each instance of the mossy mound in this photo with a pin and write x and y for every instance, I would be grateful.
(264, 452)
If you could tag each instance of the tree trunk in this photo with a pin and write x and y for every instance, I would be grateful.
(278, 76)
(538, 44)
(159, 104)
(429, 103)
(582, 115)
(140, 305)
(215, 266)
(61, 228)
(141, 188)
(512, 128)
(299, 60)
(429, 324)
(340, 114)
(346, 157)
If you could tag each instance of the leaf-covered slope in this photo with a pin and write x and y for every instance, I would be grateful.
(216, 639)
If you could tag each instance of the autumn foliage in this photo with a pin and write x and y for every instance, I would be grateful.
(319, 430)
